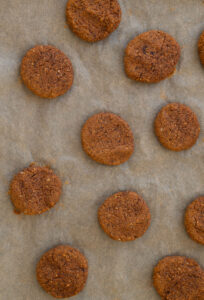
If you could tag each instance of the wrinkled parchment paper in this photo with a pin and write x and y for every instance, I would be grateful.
(48, 132)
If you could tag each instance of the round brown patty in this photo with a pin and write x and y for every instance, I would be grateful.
(194, 220)
(62, 271)
(35, 190)
(124, 216)
(47, 71)
(93, 20)
(201, 47)
(107, 139)
(177, 127)
(179, 278)
(151, 56)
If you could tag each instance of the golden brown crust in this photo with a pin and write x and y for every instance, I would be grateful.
(124, 216)
(177, 127)
(201, 47)
(47, 71)
(93, 20)
(62, 271)
(179, 278)
(151, 56)
(194, 220)
(107, 139)
(35, 190)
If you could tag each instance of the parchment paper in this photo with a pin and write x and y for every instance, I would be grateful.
(48, 132)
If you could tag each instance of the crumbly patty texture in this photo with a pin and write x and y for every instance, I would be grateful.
(93, 20)
(201, 47)
(62, 271)
(194, 220)
(179, 278)
(151, 56)
(177, 127)
(47, 71)
(107, 139)
(35, 190)
(124, 216)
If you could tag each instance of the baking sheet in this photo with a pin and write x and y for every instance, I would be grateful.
(48, 132)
